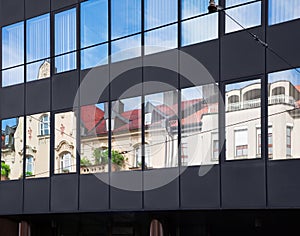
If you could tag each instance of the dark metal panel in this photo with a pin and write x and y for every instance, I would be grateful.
(208, 55)
(283, 183)
(57, 4)
(11, 11)
(11, 195)
(64, 89)
(64, 193)
(36, 7)
(200, 187)
(161, 189)
(94, 85)
(243, 184)
(36, 195)
(12, 101)
(241, 55)
(94, 192)
(163, 68)
(38, 89)
(126, 79)
(126, 190)
(284, 40)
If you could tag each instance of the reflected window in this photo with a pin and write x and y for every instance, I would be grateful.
(243, 116)
(65, 40)
(13, 54)
(65, 143)
(94, 138)
(138, 156)
(289, 141)
(199, 29)
(95, 56)
(159, 12)
(126, 17)
(282, 11)
(199, 125)
(29, 169)
(38, 144)
(93, 22)
(161, 39)
(38, 46)
(247, 15)
(270, 142)
(192, 8)
(12, 148)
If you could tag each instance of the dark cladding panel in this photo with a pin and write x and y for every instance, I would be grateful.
(36, 7)
(57, 4)
(94, 192)
(12, 101)
(126, 190)
(64, 89)
(241, 55)
(200, 187)
(11, 11)
(11, 195)
(243, 184)
(64, 193)
(38, 89)
(161, 189)
(36, 195)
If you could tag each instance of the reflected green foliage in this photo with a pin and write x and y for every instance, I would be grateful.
(5, 169)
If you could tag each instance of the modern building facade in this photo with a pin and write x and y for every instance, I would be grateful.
(149, 117)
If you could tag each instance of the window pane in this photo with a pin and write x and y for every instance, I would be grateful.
(161, 129)
(192, 8)
(243, 116)
(126, 133)
(65, 62)
(13, 45)
(12, 148)
(248, 16)
(161, 39)
(126, 17)
(200, 29)
(38, 38)
(283, 111)
(94, 22)
(38, 70)
(13, 76)
(230, 3)
(38, 145)
(159, 12)
(126, 48)
(281, 11)
(94, 56)
(94, 138)
(199, 125)
(65, 143)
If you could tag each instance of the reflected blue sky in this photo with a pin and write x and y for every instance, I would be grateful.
(230, 3)
(94, 56)
(291, 75)
(240, 85)
(192, 8)
(9, 122)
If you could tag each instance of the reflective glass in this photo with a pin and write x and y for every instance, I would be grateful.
(230, 3)
(13, 76)
(94, 56)
(282, 10)
(38, 70)
(192, 8)
(65, 62)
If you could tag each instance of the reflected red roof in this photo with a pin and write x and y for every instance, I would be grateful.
(297, 87)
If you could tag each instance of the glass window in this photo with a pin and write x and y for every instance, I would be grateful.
(161, 133)
(65, 143)
(126, 133)
(247, 15)
(29, 166)
(13, 54)
(199, 125)
(38, 46)
(94, 138)
(243, 116)
(125, 17)
(230, 3)
(38, 145)
(283, 111)
(161, 39)
(65, 40)
(192, 8)
(93, 22)
(12, 148)
(270, 142)
(95, 56)
(126, 48)
(282, 10)
(199, 29)
(159, 12)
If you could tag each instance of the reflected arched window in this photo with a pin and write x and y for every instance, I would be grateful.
(45, 125)
(252, 95)
(156, 228)
(233, 99)
(278, 91)
(66, 163)
(29, 165)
